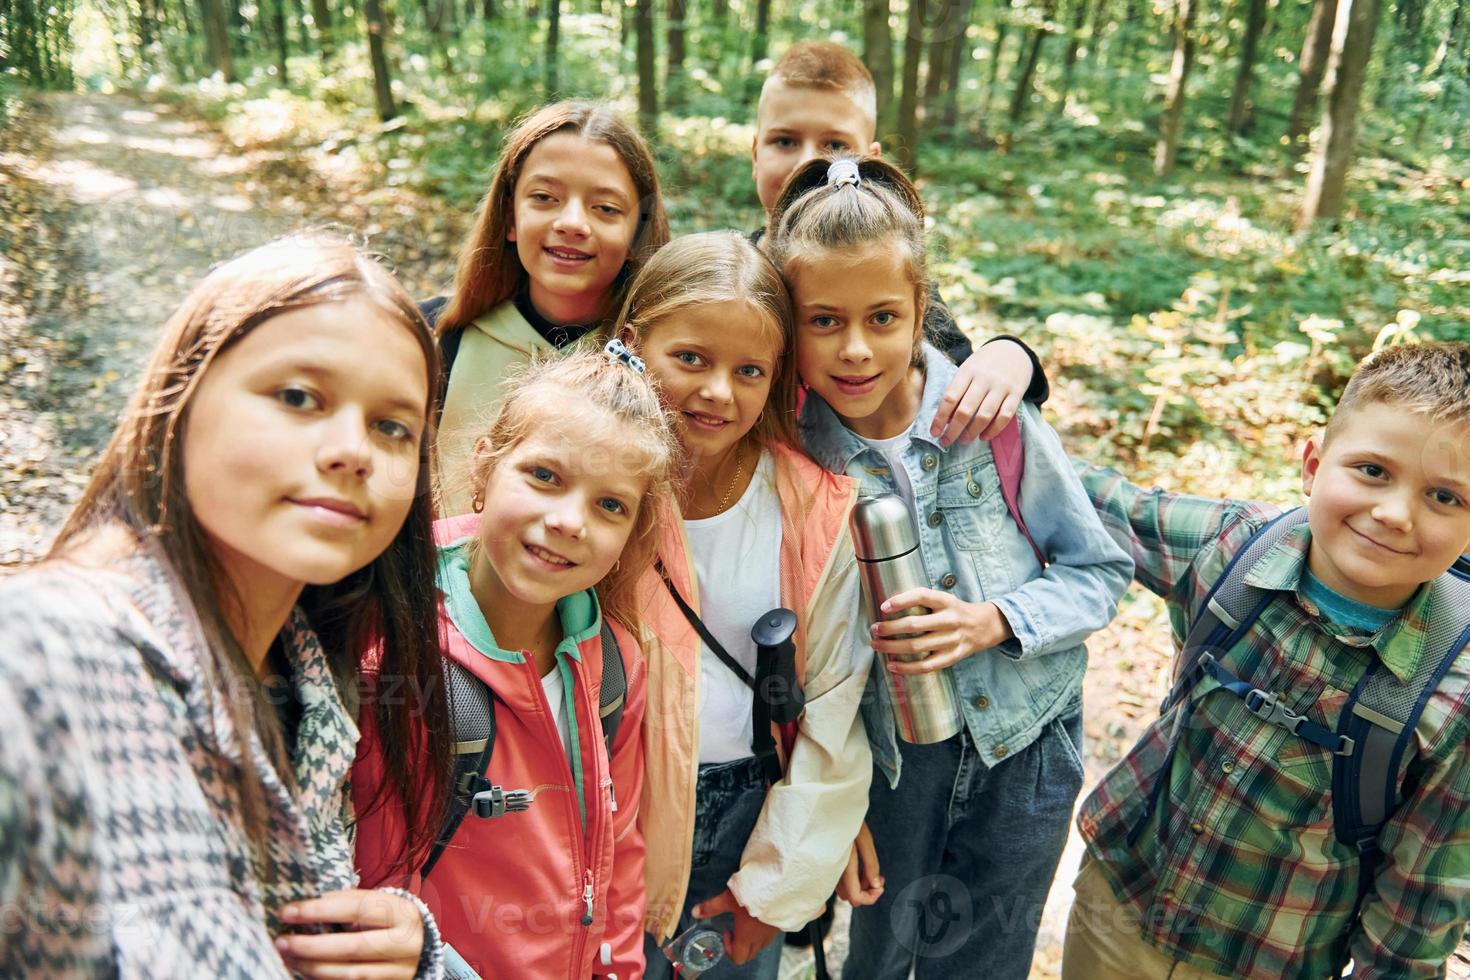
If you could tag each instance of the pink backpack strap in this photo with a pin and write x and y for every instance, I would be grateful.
(1010, 464)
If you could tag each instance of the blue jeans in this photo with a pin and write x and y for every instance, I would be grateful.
(727, 803)
(967, 855)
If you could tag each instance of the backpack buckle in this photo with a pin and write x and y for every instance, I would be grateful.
(1268, 707)
(497, 802)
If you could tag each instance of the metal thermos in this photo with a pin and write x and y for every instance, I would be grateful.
(887, 545)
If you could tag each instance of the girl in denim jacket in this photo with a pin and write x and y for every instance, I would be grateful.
(969, 844)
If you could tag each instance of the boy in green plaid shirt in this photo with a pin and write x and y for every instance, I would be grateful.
(1237, 872)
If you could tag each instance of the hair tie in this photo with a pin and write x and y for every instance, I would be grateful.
(843, 172)
(616, 350)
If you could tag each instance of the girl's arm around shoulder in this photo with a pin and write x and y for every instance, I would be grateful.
(800, 844)
(626, 895)
(1165, 533)
(1077, 593)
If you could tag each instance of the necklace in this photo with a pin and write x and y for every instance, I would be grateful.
(739, 469)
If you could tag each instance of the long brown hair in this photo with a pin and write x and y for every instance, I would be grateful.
(615, 398)
(390, 603)
(722, 267)
(489, 270)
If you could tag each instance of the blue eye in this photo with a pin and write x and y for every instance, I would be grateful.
(885, 318)
(542, 474)
(395, 430)
(750, 371)
(612, 505)
(836, 146)
(298, 398)
(688, 357)
(823, 322)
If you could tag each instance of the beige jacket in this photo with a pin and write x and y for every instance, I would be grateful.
(490, 347)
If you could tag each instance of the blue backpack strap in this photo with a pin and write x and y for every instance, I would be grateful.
(1229, 609)
(1380, 716)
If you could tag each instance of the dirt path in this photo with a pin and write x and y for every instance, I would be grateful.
(130, 205)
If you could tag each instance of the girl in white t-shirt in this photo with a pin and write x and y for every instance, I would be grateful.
(761, 527)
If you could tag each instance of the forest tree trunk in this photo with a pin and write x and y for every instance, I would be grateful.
(1315, 49)
(1255, 23)
(1352, 46)
(1166, 152)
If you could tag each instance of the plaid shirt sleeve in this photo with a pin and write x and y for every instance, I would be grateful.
(1420, 902)
(1165, 533)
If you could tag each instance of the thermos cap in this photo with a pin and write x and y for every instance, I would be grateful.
(882, 527)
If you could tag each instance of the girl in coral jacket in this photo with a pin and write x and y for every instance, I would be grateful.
(567, 482)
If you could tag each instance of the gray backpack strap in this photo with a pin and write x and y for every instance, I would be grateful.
(614, 693)
(1382, 712)
(1230, 607)
(1380, 717)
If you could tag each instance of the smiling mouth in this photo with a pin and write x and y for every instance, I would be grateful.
(1377, 544)
(567, 254)
(855, 385)
(711, 422)
(547, 557)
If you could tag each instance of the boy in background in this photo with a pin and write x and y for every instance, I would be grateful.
(818, 101)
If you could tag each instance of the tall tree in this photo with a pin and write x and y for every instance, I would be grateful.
(278, 35)
(761, 40)
(878, 56)
(1030, 58)
(1449, 38)
(1166, 151)
(674, 14)
(647, 76)
(1352, 46)
(959, 57)
(553, 42)
(377, 32)
(217, 38)
(1315, 49)
(908, 102)
(1255, 25)
(1074, 47)
(1002, 31)
(321, 17)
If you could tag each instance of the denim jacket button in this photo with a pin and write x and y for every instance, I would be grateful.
(982, 702)
(929, 461)
(973, 488)
(948, 581)
(936, 518)
(1000, 751)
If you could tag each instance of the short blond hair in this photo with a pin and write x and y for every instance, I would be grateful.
(826, 65)
(1432, 380)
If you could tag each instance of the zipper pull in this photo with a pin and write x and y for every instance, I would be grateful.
(612, 794)
(587, 898)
